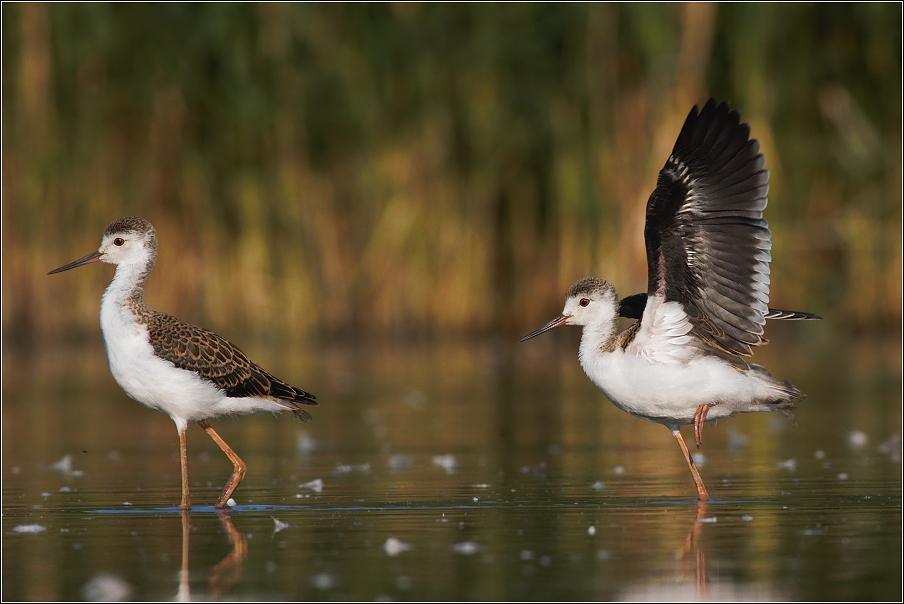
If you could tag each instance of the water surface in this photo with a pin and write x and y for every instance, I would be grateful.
(461, 471)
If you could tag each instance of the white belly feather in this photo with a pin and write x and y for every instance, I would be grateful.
(670, 393)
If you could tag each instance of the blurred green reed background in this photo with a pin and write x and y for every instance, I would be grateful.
(430, 169)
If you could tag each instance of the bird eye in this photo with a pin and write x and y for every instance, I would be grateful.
(584, 301)
(119, 241)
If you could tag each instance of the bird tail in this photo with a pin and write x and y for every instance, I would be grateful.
(305, 398)
(786, 391)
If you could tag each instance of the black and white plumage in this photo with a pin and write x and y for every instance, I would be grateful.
(708, 253)
(166, 364)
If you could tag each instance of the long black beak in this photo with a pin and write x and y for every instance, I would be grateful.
(557, 322)
(92, 257)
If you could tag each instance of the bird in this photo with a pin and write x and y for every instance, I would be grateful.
(708, 253)
(171, 366)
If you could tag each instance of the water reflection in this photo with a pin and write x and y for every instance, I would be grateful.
(227, 572)
(693, 549)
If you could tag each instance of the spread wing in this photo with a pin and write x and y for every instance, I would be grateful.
(632, 307)
(215, 359)
(707, 242)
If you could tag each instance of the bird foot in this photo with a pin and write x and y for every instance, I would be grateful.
(699, 420)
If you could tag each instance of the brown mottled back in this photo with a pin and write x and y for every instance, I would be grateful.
(215, 359)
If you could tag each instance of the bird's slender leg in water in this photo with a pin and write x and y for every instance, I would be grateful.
(183, 458)
(701, 490)
(239, 467)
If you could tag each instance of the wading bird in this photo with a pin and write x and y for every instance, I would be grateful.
(707, 293)
(171, 366)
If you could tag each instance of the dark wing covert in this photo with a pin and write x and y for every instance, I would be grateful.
(216, 359)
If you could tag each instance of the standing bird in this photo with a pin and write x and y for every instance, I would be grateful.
(171, 366)
(708, 289)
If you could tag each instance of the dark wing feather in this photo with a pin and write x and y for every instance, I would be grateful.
(707, 242)
(632, 308)
(791, 315)
(217, 360)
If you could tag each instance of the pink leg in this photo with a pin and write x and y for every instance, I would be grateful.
(699, 419)
(701, 490)
(183, 458)
(239, 467)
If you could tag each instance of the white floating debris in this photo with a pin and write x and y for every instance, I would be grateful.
(527, 555)
(46, 494)
(315, 485)
(545, 561)
(323, 581)
(618, 470)
(603, 555)
(788, 464)
(29, 528)
(466, 548)
(475, 499)
(342, 468)
(747, 518)
(306, 444)
(105, 587)
(591, 530)
(599, 485)
(856, 438)
(64, 490)
(842, 476)
(64, 465)
(230, 502)
(537, 470)
(736, 440)
(127, 503)
(699, 458)
(446, 462)
(394, 547)
(278, 524)
(892, 447)
(399, 461)
(819, 454)
(709, 520)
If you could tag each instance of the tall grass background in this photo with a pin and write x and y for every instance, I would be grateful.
(409, 170)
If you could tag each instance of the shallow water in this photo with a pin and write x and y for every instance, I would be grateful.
(470, 472)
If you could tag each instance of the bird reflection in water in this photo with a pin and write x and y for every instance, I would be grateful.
(227, 572)
(693, 549)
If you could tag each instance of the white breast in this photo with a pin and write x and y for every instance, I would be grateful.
(150, 380)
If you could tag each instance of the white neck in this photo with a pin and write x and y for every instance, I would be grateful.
(128, 283)
(596, 337)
